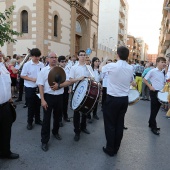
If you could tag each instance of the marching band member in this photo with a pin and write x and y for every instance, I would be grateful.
(77, 73)
(6, 116)
(29, 74)
(64, 114)
(120, 76)
(51, 100)
(157, 79)
(97, 77)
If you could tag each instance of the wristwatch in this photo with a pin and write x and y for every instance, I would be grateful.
(59, 86)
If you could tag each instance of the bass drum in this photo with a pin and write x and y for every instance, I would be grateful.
(133, 96)
(163, 97)
(85, 96)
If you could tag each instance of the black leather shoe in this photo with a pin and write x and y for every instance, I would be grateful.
(11, 156)
(29, 126)
(125, 128)
(157, 128)
(85, 131)
(44, 147)
(155, 131)
(57, 136)
(108, 152)
(18, 100)
(40, 122)
(67, 119)
(77, 137)
(61, 124)
(96, 117)
(25, 106)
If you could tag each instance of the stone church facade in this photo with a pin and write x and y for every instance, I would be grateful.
(62, 26)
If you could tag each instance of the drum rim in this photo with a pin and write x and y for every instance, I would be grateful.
(135, 99)
(79, 107)
(162, 102)
(86, 96)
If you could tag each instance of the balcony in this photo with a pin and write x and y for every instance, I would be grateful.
(123, 2)
(167, 19)
(121, 33)
(166, 41)
(121, 23)
(122, 12)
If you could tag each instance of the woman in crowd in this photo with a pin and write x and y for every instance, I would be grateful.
(13, 74)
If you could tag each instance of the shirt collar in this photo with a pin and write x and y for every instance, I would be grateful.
(34, 63)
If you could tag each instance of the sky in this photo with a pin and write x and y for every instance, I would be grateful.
(144, 21)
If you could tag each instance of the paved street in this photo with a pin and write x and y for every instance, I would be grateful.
(140, 149)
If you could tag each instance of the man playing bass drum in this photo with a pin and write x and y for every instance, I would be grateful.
(77, 73)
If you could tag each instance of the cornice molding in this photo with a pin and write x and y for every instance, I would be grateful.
(80, 8)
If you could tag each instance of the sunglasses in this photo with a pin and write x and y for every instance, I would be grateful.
(82, 55)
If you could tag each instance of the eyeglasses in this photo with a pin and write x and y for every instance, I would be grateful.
(63, 61)
(82, 54)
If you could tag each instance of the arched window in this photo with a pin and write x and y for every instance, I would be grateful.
(94, 41)
(55, 25)
(24, 20)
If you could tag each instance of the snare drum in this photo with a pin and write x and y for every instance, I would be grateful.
(163, 97)
(134, 96)
(85, 96)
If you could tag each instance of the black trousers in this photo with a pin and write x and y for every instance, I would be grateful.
(94, 110)
(33, 104)
(55, 104)
(78, 126)
(114, 112)
(155, 106)
(6, 120)
(104, 94)
(65, 104)
(21, 86)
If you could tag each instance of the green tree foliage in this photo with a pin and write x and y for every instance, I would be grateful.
(6, 33)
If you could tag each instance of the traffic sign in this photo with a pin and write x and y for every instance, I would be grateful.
(88, 51)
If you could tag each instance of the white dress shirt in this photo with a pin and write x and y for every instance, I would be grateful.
(157, 78)
(42, 79)
(78, 71)
(104, 81)
(5, 84)
(31, 70)
(120, 76)
(97, 75)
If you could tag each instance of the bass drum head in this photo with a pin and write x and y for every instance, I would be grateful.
(133, 95)
(163, 97)
(79, 94)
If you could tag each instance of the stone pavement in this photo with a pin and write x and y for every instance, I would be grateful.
(140, 148)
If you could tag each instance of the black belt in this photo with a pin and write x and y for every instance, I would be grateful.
(3, 104)
(139, 74)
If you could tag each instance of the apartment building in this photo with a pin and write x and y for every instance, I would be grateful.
(113, 21)
(164, 38)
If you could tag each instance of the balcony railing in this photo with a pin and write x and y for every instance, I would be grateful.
(166, 41)
(122, 12)
(121, 22)
(121, 32)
